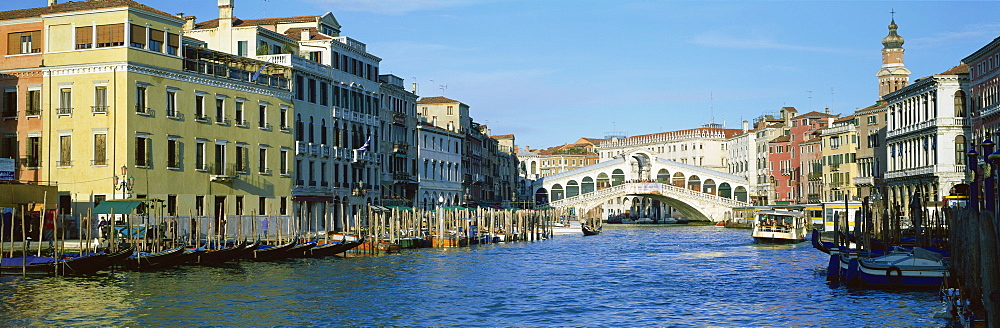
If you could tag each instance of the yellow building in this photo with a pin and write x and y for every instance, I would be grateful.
(131, 109)
(840, 147)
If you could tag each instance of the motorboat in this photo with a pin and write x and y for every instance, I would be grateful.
(780, 227)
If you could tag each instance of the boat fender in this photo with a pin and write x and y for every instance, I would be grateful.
(894, 277)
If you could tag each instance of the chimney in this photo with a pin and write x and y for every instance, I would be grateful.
(414, 87)
(305, 35)
(828, 110)
(746, 126)
(53, 2)
(189, 22)
(226, 14)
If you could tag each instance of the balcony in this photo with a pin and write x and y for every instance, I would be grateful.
(202, 118)
(33, 112)
(99, 162)
(864, 181)
(31, 162)
(98, 109)
(814, 176)
(174, 114)
(314, 149)
(222, 120)
(327, 151)
(241, 123)
(223, 65)
(64, 111)
(302, 148)
(265, 127)
(400, 148)
(142, 110)
(222, 173)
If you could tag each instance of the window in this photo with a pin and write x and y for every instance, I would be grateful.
(239, 114)
(65, 150)
(140, 99)
(156, 40)
(171, 205)
(220, 111)
(24, 42)
(65, 102)
(173, 157)
(275, 49)
(142, 143)
(101, 149)
(8, 146)
(220, 159)
(34, 152)
(283, 118)
(171, 104)
(100, 100)
(199, 205)
(10, 103)
(34, 105)
(138, 38)
(300, 88)
(173, 41)
(324, 94)
(262, 161)
(262, 116)
(199, 108)
(241, 157)
(241, 48)
(312, 91)
(283, 168)
(451, 110)
(261, 203)
(283, 207)
(239, 205)
(112, 35)
(199, 156)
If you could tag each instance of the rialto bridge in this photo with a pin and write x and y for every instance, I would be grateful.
(644, 186)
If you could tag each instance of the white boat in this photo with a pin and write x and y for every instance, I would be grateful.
(566, 228)
(645, 221)
(780, 227)
(668, 220)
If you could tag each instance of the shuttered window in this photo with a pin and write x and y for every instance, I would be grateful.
(138, 37)
(112, 35)
(84, 37)
(173, 41)
(141, 151)
(64, 151)
(24, 42)
(100, 149)
(155, 40)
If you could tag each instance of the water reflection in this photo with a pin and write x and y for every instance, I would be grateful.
(688, 276)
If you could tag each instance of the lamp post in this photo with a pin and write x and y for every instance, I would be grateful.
(124, 183)
(989, 178)
(440, 211)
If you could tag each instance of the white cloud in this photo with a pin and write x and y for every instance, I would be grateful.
(720, 40)
(972, 32)
(392, 7)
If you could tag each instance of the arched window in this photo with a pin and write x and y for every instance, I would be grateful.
(298, 128)
(617, 177)
(663, 176)
(322, 133)
(572, 188)
(557, 192)
(587, 185)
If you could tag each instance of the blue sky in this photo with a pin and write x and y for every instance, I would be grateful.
(553, 71)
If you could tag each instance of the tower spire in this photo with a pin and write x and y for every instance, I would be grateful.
(893, 75)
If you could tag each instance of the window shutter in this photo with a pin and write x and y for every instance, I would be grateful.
(138, 34)
(84, 37)
(100, 149)
(14, 43)
(64, 153)
(155, 35)
(172, 39)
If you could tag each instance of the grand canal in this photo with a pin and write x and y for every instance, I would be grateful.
(628, 276)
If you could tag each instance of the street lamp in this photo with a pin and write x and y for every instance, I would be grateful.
(124, 184)
(440, 211)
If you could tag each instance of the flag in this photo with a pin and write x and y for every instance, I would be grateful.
(257, 75)
(365, 146)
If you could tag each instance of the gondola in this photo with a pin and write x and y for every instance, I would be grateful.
(301, 249)
(151, 261)
(221, 255)
(271, 252)
(36, 265)
(588, 231)
(333, 248)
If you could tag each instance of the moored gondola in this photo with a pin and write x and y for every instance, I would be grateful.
(271, 252)
(36, 265)
(588, 231)
(333, 248)
(143, 261)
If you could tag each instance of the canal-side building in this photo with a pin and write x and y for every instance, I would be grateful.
(703, 147)
(21, 102)
(767, 128)
(785, 154)
(335, 80)
(839, 153)
(129, 109)
(742, 158)
(399, 142)
(440, 153)
(926, 135)
(984, 96)
(805, 128)
(811, 164)
(538, 163)
(871, 159)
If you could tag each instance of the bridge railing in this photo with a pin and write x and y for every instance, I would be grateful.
(666, 188)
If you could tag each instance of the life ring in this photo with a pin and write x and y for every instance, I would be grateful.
(894, 278)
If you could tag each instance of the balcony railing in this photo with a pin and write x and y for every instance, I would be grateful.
(174, 114)
(99, 109)
(9, 113)
(99, 162)
(33, 112)
(31, 161)
(142, 110)
(265, 127)
(64, 111)
(202, 118)
(222, 121)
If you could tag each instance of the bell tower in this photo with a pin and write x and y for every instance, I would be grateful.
(893, 75)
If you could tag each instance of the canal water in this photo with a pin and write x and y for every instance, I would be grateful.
(627, 276)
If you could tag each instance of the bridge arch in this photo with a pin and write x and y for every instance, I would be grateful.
(587, 186)
(709, 187)
(557, 192)
(541, 196)
(694, 183)
(617, 177)
(572, 188)
(678, 180)
(725, 190)
(603, 181)
(663, 176)
(741, 194)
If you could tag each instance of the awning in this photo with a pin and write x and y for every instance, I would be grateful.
(116, 206)
(400, 208)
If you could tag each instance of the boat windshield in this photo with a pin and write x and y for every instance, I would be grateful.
(775, 222)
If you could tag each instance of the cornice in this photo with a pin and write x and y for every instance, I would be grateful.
(166, 74)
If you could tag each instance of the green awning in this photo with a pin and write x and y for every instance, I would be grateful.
(400, 208)
(116, 206)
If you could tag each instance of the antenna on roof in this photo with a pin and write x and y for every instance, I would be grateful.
(810, 99)
(443, 87)
(265, 8)
(711, 107)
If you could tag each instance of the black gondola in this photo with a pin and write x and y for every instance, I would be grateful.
(333, 248)
(34, 265)
(271, 252)
(221, 255)
(588, 231)
(159, 260)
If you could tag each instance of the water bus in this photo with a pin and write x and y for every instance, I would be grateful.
(780, 227)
